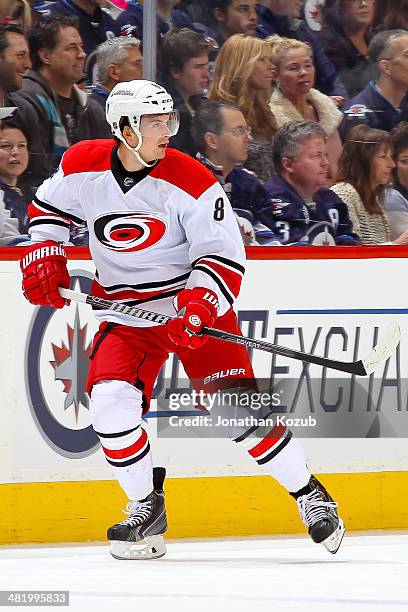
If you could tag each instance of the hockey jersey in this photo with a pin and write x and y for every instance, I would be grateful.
(323, 221)
(149, 237)
(247, 196)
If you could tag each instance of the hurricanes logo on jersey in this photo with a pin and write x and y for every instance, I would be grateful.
(127, 232)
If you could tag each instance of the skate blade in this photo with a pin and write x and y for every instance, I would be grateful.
(332, 543)
(154, 549)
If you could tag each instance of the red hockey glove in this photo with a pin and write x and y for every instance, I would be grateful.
(44, 268)
(196, 308)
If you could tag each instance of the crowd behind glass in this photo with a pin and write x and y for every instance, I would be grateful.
(299, 108)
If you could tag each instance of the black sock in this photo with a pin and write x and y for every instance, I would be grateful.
(303, 491)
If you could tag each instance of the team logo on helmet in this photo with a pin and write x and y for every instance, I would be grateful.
(129, 232)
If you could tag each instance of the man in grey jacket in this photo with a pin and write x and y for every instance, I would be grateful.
(65, 112)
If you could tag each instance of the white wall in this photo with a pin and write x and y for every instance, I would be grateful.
(28, 455)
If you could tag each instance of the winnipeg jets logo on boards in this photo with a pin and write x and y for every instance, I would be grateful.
(56, 365)
(127, 232)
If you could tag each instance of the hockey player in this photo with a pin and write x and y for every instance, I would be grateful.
(161, 231)
(301, 208)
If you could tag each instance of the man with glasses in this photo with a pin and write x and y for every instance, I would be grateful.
(384, 103)
(221, 137)
(162, 234)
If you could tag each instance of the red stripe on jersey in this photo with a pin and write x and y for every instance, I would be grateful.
(232, 279)
(184, 172)
(88, 156)
(127, 294)
(123, 453)
(34, 212)
(266, 443)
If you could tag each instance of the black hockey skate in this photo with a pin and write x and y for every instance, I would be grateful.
(319, 513)
(146, 521)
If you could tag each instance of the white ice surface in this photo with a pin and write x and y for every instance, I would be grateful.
(369, 573)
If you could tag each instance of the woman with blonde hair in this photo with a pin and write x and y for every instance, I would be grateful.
(243, 75)
(16, 11)
(295, 99)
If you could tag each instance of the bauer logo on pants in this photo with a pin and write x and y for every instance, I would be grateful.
(56, 367)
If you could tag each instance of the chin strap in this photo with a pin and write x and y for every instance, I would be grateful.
(135, 150)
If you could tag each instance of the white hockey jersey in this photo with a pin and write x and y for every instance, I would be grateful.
(173, 229)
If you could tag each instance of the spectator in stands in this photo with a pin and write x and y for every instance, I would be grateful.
(391, 15)
(383, 104)
(282, 17)
(64, 112)
(295, 99)
(231, 17)
(221, 137)
(197, 11)
(345, 36)
(130, 21)
(13, 162)
(396, 199)
(14, 62)
(365, 172)
(94, 23)
(9, 234)
(243, 75)
(118, 60)
(17, 12)
(185, 75)
(300, 206)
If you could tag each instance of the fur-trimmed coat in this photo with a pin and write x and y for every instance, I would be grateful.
(329, 118)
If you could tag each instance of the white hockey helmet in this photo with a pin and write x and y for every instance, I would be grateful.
(133, 99)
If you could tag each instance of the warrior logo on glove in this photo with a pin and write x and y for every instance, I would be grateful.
(44, 268)
(45, 251)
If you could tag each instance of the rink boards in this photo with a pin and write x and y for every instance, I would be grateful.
(55, 484)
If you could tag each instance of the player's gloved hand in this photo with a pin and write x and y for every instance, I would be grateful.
(44, 268)
(196, 308)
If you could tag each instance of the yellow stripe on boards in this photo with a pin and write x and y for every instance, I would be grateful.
(196, 507)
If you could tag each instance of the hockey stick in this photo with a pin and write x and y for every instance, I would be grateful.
(380, 353)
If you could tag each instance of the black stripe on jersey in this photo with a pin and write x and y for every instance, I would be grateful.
(48, 221)
(116, 435)
(276, 450)
(129, 461)
(55, 210)
(219, 283)
(152, 285)
(224, 260)
(130, 302)
(250, 430)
